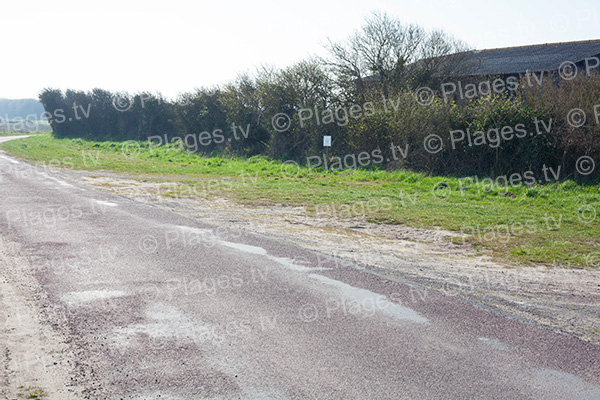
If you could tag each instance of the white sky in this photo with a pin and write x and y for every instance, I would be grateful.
(173, 46)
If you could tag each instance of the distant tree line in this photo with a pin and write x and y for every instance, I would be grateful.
(368, 96)
(21, 108)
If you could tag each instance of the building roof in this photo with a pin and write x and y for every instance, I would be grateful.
(536, 58)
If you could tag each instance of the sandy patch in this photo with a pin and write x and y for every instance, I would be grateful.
(32, 353)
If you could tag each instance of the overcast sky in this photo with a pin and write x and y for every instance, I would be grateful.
(173, 46)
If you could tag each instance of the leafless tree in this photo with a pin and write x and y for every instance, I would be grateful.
(441, 56)
(386, 51)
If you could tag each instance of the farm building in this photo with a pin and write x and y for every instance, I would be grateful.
(547, 58)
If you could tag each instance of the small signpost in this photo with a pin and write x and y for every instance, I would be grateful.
(327, 145)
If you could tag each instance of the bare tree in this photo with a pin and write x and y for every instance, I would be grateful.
(348, 66)
(441, 56)
(388, 46)
(386, 51)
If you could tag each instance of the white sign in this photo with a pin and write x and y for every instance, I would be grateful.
(327, 141)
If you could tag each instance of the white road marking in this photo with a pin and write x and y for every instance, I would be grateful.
(10, 160)
(62, 183)
(372, 301)
(284, 261)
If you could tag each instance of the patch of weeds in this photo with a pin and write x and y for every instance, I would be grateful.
(31, 392)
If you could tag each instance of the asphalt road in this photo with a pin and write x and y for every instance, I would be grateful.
(161, 306)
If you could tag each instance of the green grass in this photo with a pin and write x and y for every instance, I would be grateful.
(31, 392)
(549, 224)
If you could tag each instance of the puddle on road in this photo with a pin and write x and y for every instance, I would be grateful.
(78, 298)
(60, 182)
(495, 343)
(106, 203)
(362, 296)
(564, 385)
(289, 263)
(284, 261)
(366, 298)
(245, 248)
(165, 322)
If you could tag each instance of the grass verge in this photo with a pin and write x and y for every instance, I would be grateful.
(548, 224)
